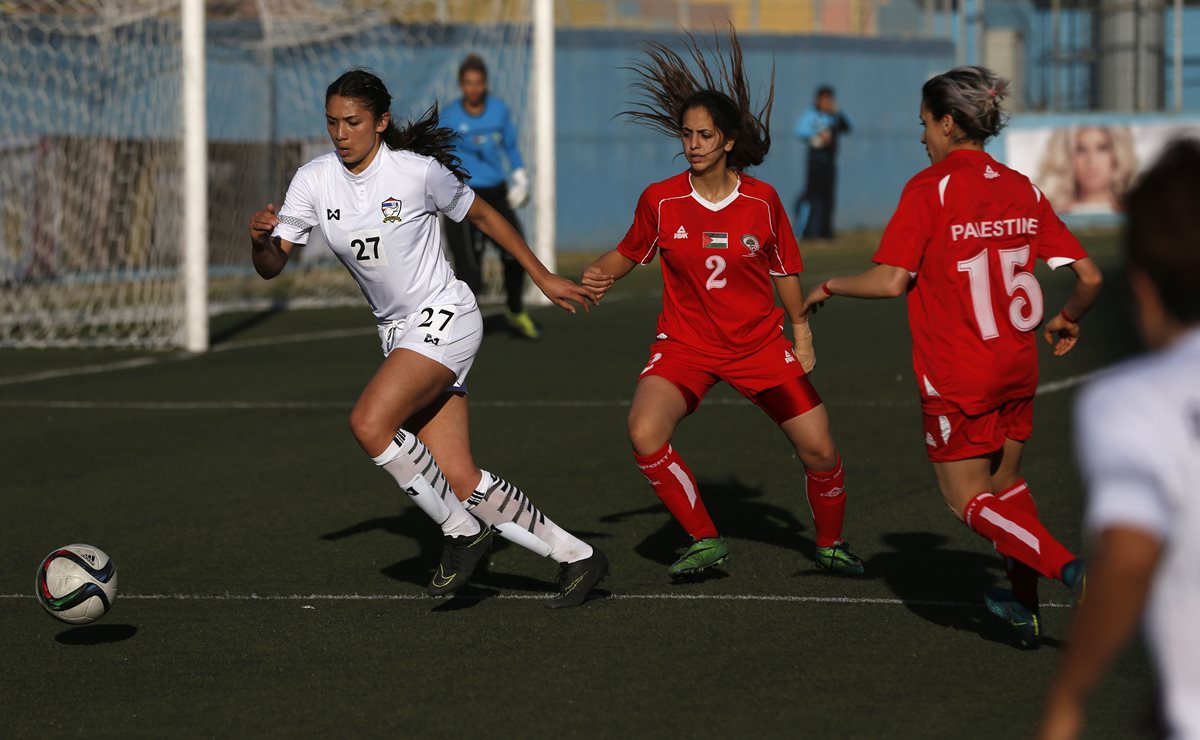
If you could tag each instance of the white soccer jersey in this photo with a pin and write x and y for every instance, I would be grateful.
(382, 224)
(1138, 441)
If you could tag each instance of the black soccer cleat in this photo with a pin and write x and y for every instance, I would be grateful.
(576, 580)
(460, 557)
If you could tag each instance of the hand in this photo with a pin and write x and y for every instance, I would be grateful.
(597, 282)
(518, 191)
(826, 137)
(1062, 720)
(805, 353)
(1068, 335)
(262, 223)
(815, 300)
(562, 292)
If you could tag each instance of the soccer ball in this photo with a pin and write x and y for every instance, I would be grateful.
(77, 584)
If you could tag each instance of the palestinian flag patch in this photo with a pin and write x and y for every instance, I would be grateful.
(716, 240)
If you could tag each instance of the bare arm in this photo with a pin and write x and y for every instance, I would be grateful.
(1087, 289)
(608, 268)
(881, 281)
(558, 289)
(270, 255)
(791, 295)
(1118, 581)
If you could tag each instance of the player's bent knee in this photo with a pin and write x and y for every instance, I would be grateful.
(821, 459)
(647, 434)
(369, 429)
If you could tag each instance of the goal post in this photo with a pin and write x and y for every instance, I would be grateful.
(195, 179)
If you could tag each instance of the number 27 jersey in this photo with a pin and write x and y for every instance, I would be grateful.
(717, 262)
(970, 230)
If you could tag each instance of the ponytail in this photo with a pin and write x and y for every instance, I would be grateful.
(425, 137)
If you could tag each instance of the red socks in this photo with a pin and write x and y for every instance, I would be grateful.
(1024, 579)
(676, 487)
(1016, 533)
(827, 499)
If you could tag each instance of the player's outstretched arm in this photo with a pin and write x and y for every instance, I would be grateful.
(270, 255)
(610, 267)
(881, 281)
(1062, 331)
(559, 290)
(1118, 582)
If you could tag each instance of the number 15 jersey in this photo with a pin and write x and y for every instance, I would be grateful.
(717, 262)
(969, 230)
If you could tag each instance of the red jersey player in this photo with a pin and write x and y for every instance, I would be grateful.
(963, 242)
(726, 247)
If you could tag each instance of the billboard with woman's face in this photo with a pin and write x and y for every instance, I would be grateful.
(1085, 169)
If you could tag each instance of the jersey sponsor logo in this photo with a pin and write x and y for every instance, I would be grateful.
(992, 229)
(716, 240)
(990, 174)
(751, 243)
(333, 214)
(788, 358)
(391, 210)
(681, 234)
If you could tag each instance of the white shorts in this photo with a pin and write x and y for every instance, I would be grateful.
(447, 334)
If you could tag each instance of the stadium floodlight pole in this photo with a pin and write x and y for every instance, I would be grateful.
(195, 180)
(544, 184)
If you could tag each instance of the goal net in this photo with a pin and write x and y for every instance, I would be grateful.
(91, 194)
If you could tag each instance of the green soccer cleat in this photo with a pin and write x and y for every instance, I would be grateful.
(460, 557)
(576, 579)
(838, 559)
(1074, 575)
(522, 325)
(1024, 621)
(700, 556)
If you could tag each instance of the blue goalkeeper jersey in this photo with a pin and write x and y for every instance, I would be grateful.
(482, 139)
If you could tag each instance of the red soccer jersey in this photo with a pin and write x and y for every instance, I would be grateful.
(717, 262)
(969, 229)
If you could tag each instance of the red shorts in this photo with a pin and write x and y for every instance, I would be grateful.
(957, 436)
(771, 378)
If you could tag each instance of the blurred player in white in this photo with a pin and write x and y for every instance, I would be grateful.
(376, 199)
(962, 244)
(726, 249)
(1138, 442)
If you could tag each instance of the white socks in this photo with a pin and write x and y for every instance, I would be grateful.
(510, 512)
(415, 470)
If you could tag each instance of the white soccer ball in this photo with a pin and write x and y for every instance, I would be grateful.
(77, 584)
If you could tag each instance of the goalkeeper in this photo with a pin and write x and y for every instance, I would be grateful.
(485, 131)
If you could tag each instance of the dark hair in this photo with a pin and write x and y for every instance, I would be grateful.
(971, 95)
(473, 63)
(825, 90)
(423, 136)
(1162, 228)
(670, 89)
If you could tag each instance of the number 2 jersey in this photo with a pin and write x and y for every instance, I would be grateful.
(969, 230)
(382, 225)
(717, 262)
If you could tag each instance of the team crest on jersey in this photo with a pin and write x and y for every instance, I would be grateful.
(751, 243)
(391, 210)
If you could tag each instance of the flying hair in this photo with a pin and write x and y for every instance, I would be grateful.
(669, 86)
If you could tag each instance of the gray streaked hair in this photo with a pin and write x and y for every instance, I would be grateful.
(971, 95)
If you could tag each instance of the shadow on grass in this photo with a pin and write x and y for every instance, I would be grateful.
(231, 331)
(934, 582)
(413, 524)
(96, 634)
(736, 510)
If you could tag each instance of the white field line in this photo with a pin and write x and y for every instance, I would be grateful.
(1046, 389)
(771, 598)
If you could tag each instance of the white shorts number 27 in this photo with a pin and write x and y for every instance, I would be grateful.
(449, 334)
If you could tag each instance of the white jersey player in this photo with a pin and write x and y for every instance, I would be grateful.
(1138, 441)
(376, 200)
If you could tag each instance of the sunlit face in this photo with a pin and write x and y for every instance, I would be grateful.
(703, 144)
(1095, 164)
(474, 87)
(935, 135)
(354, 130)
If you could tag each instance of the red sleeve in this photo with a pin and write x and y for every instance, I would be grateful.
(909, 230)
(783, 252)
(641, 241)
(1056, 245)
